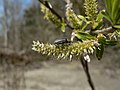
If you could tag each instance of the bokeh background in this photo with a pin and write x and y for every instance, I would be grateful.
(21, 22)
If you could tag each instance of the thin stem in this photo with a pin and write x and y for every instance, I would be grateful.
(45, 3)
(104, 30)
(86, 69)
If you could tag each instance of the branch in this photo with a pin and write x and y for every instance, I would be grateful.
(46, 4)
(86, 69)
(104, 31)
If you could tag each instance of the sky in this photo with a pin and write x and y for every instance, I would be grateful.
(1, 7)
(25, 4)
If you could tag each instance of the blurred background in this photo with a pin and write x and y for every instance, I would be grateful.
(21, 22)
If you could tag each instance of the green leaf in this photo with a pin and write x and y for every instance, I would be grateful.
(118, 17)
(100, 16)
(115, 8)
(111, 43)
(95, 25)
(63, 25)
(84, 36)
(82, 18)
(98, 23)
(101, 38)
(99, 51)
(113, 11)
(117, 26)
(118, 32)
(83, 22)
(108, 5)
(105, 15)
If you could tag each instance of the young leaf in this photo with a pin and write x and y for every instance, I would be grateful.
(84, 36)
(83, 20)
(98, 22)
(109, 5)
(115, 8)
(106, 15)
(113, 11)
(101, 38)
(111, 43)
(117, 26)
(63, 26)
(99, 51)
(100, 16)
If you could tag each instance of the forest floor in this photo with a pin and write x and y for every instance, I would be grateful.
(70, 76)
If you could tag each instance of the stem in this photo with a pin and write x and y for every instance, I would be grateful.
(86, 69)
(45, 3)
(104, 30)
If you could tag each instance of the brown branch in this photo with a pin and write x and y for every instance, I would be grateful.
(104, 31)
(46, 4)
(86, 69)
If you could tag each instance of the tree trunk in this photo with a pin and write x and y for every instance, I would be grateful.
(5, 24)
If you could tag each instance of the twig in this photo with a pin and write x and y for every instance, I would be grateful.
(104, 30)
(86, 69)
(45, 3)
